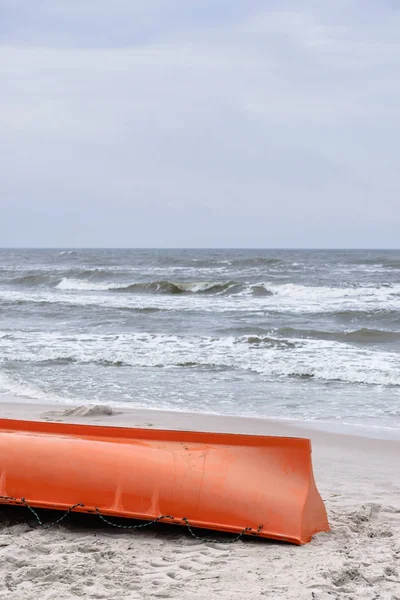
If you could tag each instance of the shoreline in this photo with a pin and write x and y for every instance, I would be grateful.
(18, 406)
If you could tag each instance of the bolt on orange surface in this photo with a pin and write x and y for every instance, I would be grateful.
(256, 485)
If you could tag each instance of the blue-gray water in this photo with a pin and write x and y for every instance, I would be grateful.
(310, 335)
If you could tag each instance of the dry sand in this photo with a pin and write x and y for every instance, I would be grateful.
(359, 479)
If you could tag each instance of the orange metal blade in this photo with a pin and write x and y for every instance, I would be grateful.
(216, 481)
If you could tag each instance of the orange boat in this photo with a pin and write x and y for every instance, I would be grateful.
(243, 484)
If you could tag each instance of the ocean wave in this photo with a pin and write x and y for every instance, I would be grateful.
(320, 292)
(346, 305)
(31, 279)
(166, 287)
(266, 340)
(259, 290)
(94, 274)
(363, 335)
(170, 287)
(324, 360)
(236, 263)
(41, 277)
(289, 295)
(377, 313)
(340, 300)
(109, 362)
(83, 285)
(378, 261)
(257, 261)
(77, 302)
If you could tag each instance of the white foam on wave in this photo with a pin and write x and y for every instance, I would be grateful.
(300, 298)
(298, 291)
(82, 285)
(318, 359)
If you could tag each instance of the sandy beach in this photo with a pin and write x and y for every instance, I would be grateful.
(358, 479)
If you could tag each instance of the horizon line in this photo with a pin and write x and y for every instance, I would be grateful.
(331, 248)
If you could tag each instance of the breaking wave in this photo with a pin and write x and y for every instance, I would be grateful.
(167, 287)
(267, 356)
(170, 287)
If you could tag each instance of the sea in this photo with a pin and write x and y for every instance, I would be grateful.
(299, 335)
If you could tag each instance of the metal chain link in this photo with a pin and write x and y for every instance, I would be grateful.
(133, 527)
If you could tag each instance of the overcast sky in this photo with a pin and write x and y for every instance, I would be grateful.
(200, 123)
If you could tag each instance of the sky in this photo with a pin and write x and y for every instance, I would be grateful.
(200, 123)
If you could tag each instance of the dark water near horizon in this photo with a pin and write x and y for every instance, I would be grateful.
(298, 334)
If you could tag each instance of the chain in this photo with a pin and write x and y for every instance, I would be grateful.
(133, 527)
(215, 541)
(102, 518)
(54, 522)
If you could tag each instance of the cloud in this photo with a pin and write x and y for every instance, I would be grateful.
(269, 125)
